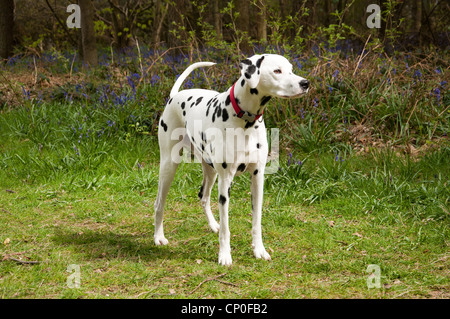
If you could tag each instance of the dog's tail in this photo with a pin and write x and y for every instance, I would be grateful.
(185, 74)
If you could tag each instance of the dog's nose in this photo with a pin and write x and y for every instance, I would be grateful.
(304, 84)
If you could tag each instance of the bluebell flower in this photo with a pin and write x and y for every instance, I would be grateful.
(438, 94)
(315, 102)
(335, 74)
(418, 75)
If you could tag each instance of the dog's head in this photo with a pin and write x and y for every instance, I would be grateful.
(272, 75)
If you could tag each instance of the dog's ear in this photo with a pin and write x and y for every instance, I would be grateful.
(250, 70)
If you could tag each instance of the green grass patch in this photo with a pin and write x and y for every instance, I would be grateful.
(363, 181)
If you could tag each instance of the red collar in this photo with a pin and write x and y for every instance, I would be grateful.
(240, 113)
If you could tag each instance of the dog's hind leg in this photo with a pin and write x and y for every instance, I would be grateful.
(169, 160)
(167, 172)
(209, 178)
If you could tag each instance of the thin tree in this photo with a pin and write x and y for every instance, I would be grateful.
(6, 27)
(89, 43)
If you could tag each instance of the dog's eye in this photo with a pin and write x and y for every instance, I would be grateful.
(277, 71)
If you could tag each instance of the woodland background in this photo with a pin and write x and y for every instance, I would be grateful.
(35, 26)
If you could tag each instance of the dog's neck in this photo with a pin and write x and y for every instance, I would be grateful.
(249, 100)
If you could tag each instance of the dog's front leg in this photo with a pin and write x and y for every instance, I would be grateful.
(257, 199)
(224, 232)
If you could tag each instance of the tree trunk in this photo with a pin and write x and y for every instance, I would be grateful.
(417, 15)
(162, 12)
(262, 21)
(217, 20)
(327, 8)
(243, 21)
(6, 27)
(89, 43)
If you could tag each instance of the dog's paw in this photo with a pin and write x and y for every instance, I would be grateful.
(161, 241)
(215, 227)
(261, 254)
(225, 259)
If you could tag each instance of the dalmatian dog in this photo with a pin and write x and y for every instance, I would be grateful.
(227, 132)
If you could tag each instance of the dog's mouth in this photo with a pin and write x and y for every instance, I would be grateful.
(295, 95)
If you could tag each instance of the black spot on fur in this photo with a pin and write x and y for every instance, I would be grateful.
(254, 91)
(228, 100)
(207, 110)
(247, 75)
(224, 165)
(247, 61)
(164, 125)
(183, 105)
(222, 200)
(255, 172)
(265, 99)
(251, 69)
(224, 115)
(199, 100)
(184, 113)
(241, 167)
(258, 145)
(170, 101)
(242, 82)
(211, 164)
(190, 98)
(229, 188)
(200, 194)
(249, 124)
(203, 136)
(258, 63)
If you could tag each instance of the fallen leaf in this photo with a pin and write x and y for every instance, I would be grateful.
(199, 261)
(331, 223)
(172, 291)
(7, 241)
(357, 234)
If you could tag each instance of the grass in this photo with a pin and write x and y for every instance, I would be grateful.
(363, 181)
